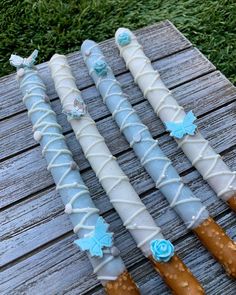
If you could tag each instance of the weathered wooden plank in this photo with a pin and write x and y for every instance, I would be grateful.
(176, 69)
(60, 268)
(38, 220)
(36, 237)
(158, 40)
(26, 173)
(210, 274)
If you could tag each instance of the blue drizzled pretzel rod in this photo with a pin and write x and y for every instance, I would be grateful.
(167, 180)
(121, 193)
(88, 225)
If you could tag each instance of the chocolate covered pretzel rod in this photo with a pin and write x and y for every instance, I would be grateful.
(167, 180)
(88, 225)
(198, 150)
(117, 186)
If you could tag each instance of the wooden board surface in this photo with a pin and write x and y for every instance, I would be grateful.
(37, 255)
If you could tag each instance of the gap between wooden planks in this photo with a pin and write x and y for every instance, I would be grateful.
(204, 94)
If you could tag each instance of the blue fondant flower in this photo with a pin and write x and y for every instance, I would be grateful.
(124, 39)
(100, 68)
(162, 250)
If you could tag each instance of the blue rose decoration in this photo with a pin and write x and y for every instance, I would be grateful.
(162, 250)
(124, 39)
(100, 68)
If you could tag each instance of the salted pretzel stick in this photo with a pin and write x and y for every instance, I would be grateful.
(117, 186)
(198, 150)
(89, 226)
(167, 180)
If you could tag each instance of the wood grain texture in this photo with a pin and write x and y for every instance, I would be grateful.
(178, 68)
(37, 255)
(167, 41)
(37, 220)
(33, 166)
(61, 267)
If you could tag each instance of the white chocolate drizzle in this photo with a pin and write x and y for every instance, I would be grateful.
(109, 173)
(41, 130)
(42, 125)
(208, 162)
(137, 128)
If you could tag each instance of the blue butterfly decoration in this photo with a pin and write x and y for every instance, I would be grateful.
(180, 129)
(100, 238)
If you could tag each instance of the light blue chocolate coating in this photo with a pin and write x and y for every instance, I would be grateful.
(63, 170)
(33, 79)
(181, 198)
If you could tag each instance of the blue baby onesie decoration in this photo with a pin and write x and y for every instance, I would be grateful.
(97, 240)
(178, 130)
(79, 109)
(162, 250)
(124, 39)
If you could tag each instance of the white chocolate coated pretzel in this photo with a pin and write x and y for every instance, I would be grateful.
(116, 184)
(196, 148)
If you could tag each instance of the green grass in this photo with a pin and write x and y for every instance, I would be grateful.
(61, 26)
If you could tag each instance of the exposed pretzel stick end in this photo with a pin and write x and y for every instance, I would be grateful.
(232, 202)
(123, 285)
(219, 244)
(178, 277)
